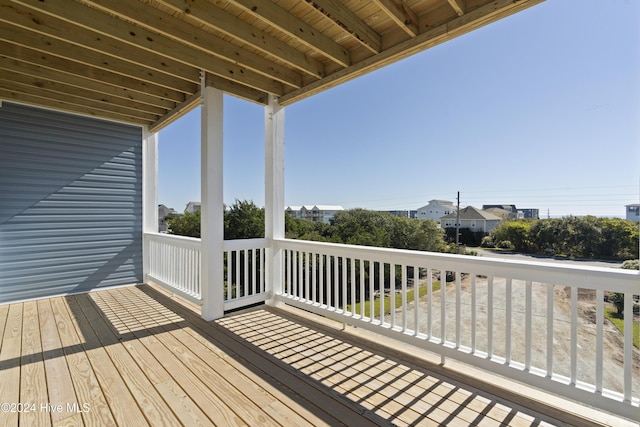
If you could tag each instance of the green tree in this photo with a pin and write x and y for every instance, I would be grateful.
(361, 227)
(543, 235)
(243, 220)
(584, 237)
(416, 234)
(305, 229)
(515, 232)
(619, 239)
(617, 298)
(185, 225)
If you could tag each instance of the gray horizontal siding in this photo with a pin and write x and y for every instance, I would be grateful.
(70, 203)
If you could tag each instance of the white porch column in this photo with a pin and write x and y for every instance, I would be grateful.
(149, 194)
(274, 194)
(212, 211)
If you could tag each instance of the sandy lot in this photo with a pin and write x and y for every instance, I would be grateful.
(613, 374)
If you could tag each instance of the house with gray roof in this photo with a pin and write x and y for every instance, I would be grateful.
(473, 218)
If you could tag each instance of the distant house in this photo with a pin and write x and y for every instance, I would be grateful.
(320, 213)
(499, 210)
(192, 207)
(503, 214)
(297, 211)
(163, 213)
(404, 214)
(435, 210)
(529, 213)
(472, 218)
(633, 212)
(508, 208)
(514, 213)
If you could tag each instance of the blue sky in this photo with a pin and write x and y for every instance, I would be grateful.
(541, 110)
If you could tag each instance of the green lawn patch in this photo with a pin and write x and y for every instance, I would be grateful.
(422, 291)
(618, 322)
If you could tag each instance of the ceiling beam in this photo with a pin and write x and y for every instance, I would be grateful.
(53, 90)
(50, 40)
(246, 93)
(141, 100)
(127, 86)
(195, 37)
(238, 29)
(273, 15)
(179, 111)
(401, 14)
(28, 74)
(458, 6)
(237, 90)
(20, 93)
(36, 101)
(349, 22)
(152, 47)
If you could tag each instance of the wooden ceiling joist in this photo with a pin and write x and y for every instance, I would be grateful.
(156, 50)
(458, 6)
(92, 52)
(33, 85)
(349, 22)
(64, 83)
(181, 32)
(140, 61)
(64, 104)
(304, 33)
(402, 15)
(257, 39)
(92, 77)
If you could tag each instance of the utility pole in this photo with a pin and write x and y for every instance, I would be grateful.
(458, 225)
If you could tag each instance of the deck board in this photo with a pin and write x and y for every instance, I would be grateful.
(32, 387)
(59, 383)
(10, 355)
(268, 376)
(149, 401)
(121, 402)
(85, 383)
(228, 375)
(137, 356)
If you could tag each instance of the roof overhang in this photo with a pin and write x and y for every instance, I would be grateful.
(144, 61)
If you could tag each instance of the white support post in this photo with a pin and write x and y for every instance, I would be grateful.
(149, 194)
(274, 195)
(212, 211)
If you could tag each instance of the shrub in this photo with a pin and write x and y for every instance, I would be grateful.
(487, 242)
(504, 244)
(617, 299)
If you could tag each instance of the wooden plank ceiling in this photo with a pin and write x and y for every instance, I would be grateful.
(142, 61)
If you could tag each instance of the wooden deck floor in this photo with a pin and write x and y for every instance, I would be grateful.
(134, 356)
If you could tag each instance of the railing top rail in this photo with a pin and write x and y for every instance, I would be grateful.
(193, 242)
(184, 240)
(603, 278)
(240, 244)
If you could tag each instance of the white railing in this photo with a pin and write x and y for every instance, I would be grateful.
(174, 263)
(539, 323)
(244, 262)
